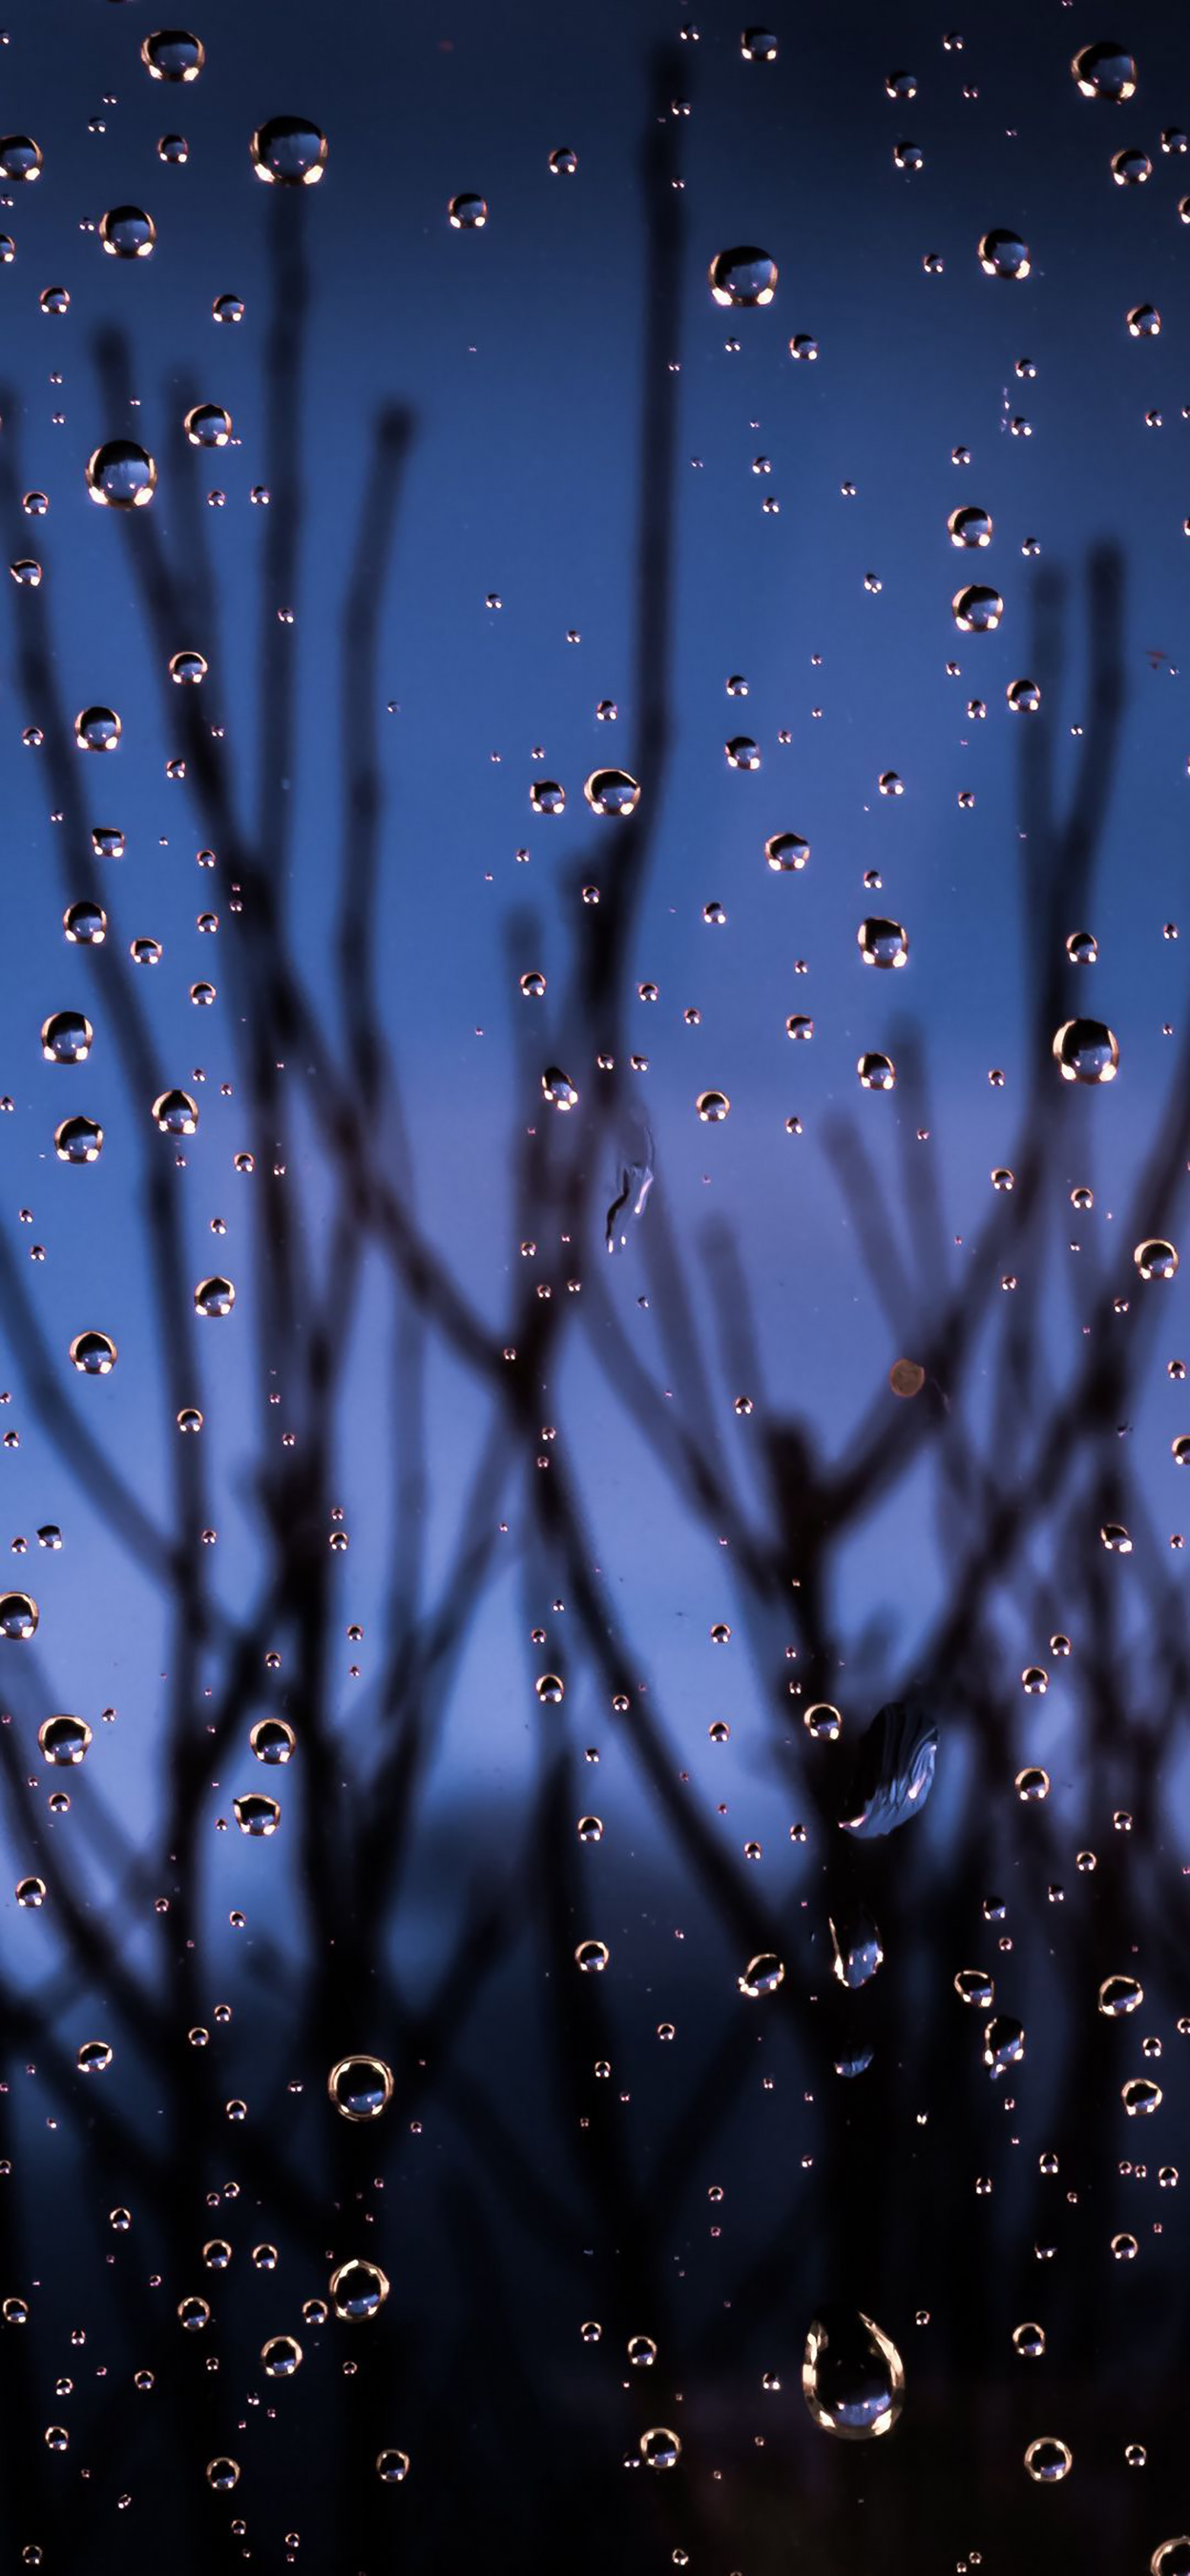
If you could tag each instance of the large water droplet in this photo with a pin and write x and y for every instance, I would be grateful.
(1105, 71)
(66, 1038)
(1048, 2459)
(127, 232)
(743, 277)
(121, 475)
(763, 1975)
(289, 152)
(1156, 1259)
(360, 2087)
(64, 1740)
(97, 729)
(18, 1616)
(20, 157)
(883, 943)
(612, 791)
(853, 2378)
(970, 527)
(175, 1113)
(894, 1769)
(172, 54)
(1120, 1994)
(215, 1296)
(272, 1738)
(93, 1354)
(1086, 1051)
(255, 1814)
(659, 2448)
(1004, 254)
(856, 1944)
(558, 1089)
(207, 425)
(358, 2289)
(78, 1140)
(977, 610)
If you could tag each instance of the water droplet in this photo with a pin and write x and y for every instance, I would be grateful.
(121, 475)
(187, 669)
(786, 851)
(94, 2057)
(1104, 71)
(85, 924)
(853, 2378)
(1047, 2460)
(78, 1140)
(972, 1986)
(223, 2474)
(392, 2467)
(763, 1975)
(743, 277)
(66, 1038)
(255, 1814)
(214, 1296)
(64, 1740)
(20, 157)
(1024, 697)
(468, 214)
(557, 1089)
(592, 1957)
(822, 1722)
(171, 54)
(1032, 1785)
(207, 425)
(894, 1769)
(970, 527)
(1140, 2097)
(127, 232)
(659, 2448)
(1132, 167)
(1120, 1994)
(272, 1738)
(977, 610)
(93, 1354)
(1156, 1259)
(30, 1892)
(1004, 254)
(1144, 322)
(1028, 2341)
(97, 729)
(883, 943)
(1003, 2043)
(642, 2351)
(358, 2290)
(856, 1945)
(289, 152)
(175, 1113)
(1086, 1051)
(612, 791)
(281, 2356)
(360, 2087)
(877, 1072)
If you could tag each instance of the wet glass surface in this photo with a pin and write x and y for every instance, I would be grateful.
(595, 1122)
